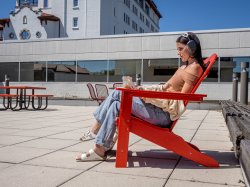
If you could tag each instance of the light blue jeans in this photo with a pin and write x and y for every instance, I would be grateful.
(108, 111)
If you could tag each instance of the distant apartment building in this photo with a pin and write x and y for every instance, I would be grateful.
(43, 19)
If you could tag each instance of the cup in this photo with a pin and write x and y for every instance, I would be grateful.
(127, 82)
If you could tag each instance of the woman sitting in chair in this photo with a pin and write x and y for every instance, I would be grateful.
(155, 111)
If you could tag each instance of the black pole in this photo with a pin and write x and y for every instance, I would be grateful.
(244, 83)
(235, 87)
(7, 83)
(138, 79)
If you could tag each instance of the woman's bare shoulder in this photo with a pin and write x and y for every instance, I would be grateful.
(194, 69)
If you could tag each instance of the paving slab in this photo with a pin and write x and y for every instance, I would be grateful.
(14, 154)
(10, 139)
(48, 143)
(24, 175)
(186, 183)
(225, 175)
(5, 165)
(112, 179)
(139, 166)
(62, 159)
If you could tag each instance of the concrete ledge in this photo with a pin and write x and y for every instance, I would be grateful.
(237, 117)
(245, 158)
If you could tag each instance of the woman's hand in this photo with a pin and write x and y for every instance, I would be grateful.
(139, 88)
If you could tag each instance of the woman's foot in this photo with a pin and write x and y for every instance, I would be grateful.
(90, 156)
(88, 136)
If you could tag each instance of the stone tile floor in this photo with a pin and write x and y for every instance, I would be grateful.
(38, 148)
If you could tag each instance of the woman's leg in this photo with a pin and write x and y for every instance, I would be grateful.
(150, 113)
(101, 112)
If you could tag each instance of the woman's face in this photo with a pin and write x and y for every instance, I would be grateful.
(183, 52)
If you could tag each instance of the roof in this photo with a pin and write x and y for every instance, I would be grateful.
(49, 17)
(154, 7)
(3, 21)
(62, 68)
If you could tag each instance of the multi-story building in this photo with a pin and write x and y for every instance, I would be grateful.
(43, 19)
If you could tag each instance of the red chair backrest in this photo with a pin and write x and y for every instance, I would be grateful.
(208, 62)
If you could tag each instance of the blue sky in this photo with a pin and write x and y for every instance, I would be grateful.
(183, 15)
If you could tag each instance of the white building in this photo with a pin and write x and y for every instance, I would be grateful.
(43, 19)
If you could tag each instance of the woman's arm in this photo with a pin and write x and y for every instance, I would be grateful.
(187, 88)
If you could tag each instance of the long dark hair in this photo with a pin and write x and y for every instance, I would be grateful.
(184, 39)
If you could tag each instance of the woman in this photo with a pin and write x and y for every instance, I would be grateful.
(155, 111)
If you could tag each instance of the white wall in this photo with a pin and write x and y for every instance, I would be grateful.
(139, 46)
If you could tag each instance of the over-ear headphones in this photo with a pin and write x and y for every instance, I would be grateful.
(191, 45)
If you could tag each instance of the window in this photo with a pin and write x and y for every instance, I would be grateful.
(45, 3)
(147, 9)
(135, 10)
(25, 34)
(152, 28)
(11, 35)
(30, 2)
(147, 23)
(75, 22)
(141, 3)
(127, 2)
(134, 25)
(141, 30)
(141, 17)
(1, 35)
(24, 19)
(114, 29)
(92, 71)
(38, 34)
(75, 3)
(126, 18)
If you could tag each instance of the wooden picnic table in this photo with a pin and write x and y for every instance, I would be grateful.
(23, 98)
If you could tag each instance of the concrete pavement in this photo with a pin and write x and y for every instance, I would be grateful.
(38, 148)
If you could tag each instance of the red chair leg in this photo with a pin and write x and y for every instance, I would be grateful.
(122, 146)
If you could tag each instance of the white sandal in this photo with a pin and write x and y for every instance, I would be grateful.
(88, 136)
(90, 156)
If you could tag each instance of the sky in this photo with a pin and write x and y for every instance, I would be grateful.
(183, 15)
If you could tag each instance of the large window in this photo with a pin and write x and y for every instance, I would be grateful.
(151, 70)
(11, 69)
(159, 70)
(92, 71)
(61, 71)
(237, 62)
(119, 68)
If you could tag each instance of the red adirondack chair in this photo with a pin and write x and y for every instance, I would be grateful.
(161, 136)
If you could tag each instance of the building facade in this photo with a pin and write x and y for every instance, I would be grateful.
(44, 19)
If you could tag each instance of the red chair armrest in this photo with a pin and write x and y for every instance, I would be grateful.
(163, 95)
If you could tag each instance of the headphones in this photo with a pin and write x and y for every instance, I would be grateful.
(191, 45)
